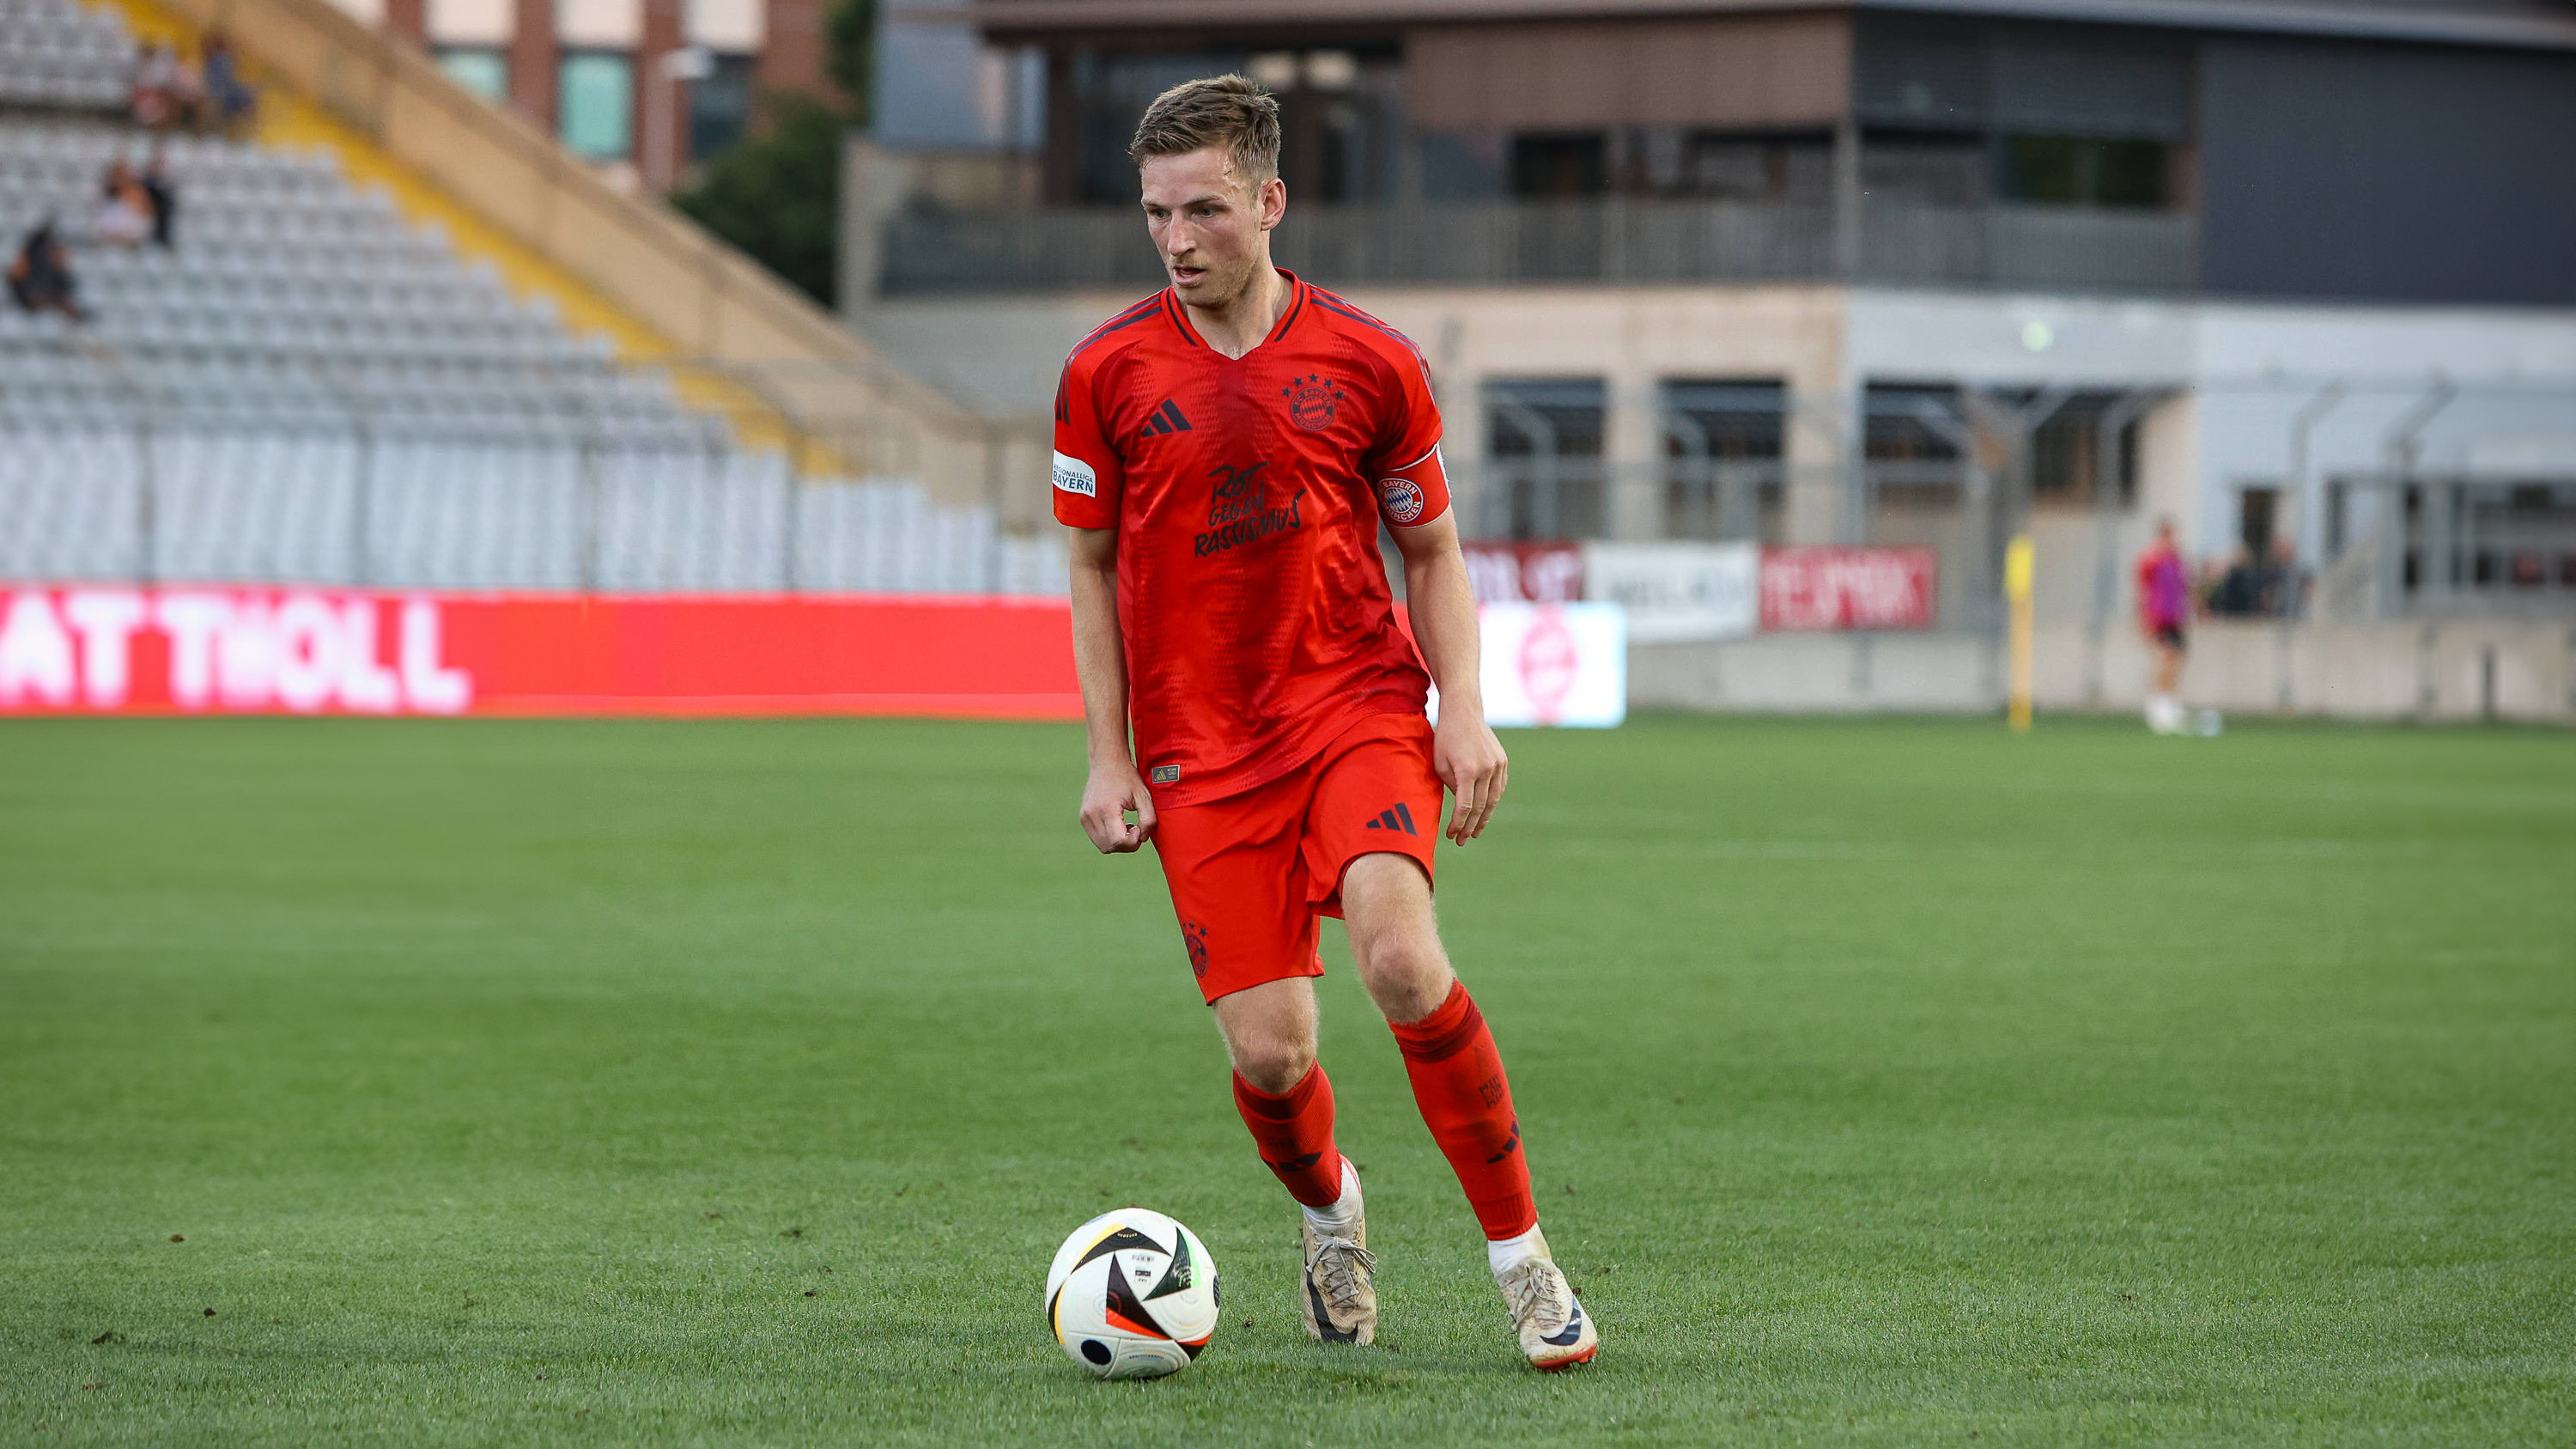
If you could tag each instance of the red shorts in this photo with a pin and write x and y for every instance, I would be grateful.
(1251, 873)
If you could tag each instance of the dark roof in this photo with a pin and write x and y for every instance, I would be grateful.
(2549, 24)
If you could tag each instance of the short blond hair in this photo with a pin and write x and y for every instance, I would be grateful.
(1231, 111)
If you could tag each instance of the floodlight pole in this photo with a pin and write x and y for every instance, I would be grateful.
(1692, 434)
(2402, 447)
(2107, 429)
(2014, 425)
(2303, 425)
(1534, 426)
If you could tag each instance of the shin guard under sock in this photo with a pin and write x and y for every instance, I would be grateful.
(1295, 1135)
(1458, 1083)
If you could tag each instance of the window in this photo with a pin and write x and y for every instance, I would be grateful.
(1340, 114)
(1110, 93)
(1463, 165)
(2258, 514)
(1913, 434)
(484, 72)
(1722, 439)
(2066, 453)
(1926, 170)
(1346, 144)
(1902, 423)
(1723, 167)
(720, 105)
(1560, 167)
(1724, 419)
(1910, 433)
(2078, 171)
(1341, 125)
(595, 106)
(1543, 446)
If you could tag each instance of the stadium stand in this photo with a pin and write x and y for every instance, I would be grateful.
(303, 388)
(58, 54)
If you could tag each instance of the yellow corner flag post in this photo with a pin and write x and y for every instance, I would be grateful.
(2017, 566)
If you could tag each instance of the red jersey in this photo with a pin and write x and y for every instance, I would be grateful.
(1246, 493)
(2164, 588)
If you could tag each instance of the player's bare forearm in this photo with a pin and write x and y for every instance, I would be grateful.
(1443, 606)
(1099, 655)
(1100, 664)
(1470, 761)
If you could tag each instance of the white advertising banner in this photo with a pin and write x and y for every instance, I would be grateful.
(1552, 664)
(1678, 592)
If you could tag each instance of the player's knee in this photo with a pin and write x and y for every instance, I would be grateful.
(1275, 1064)
(1407, 973)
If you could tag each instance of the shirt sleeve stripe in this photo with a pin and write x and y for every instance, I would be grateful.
(1340, 308)
(1128, 318)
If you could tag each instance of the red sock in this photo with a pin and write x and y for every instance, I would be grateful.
(1458, 1083)
(1295, 1135)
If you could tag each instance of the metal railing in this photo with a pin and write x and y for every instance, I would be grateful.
(590, 479)
(1696, 499)
(2438, 546)
(1606, 242)
(273, 466)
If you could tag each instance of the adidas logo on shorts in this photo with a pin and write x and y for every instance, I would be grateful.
(1395, 818)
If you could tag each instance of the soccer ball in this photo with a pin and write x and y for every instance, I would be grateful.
(1132, 1295)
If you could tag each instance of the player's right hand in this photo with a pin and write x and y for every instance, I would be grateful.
(1107, 796)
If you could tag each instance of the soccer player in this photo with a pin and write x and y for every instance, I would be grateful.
(1224, 451)
(2164, 606)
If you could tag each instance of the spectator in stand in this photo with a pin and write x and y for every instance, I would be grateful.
(230, 100)
(124, 210)
(163, 193)
(2285, 584)
(2235, 589)
(2164, 611)
(150, 93)
(166, 91)
(40, 276)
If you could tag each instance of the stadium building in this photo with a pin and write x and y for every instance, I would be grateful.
(642, 86)
(1920, 274)
(1848, 283)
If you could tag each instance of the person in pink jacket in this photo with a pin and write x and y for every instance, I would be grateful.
(2164, 611)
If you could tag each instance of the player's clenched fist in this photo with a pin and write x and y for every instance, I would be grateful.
(1471, 762)
(1107, 796)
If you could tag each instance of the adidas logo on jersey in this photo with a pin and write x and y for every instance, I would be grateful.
(1166, 419)
(1395, 818)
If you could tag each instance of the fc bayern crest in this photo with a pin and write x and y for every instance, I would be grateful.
(1403, 498)
(1311, 400)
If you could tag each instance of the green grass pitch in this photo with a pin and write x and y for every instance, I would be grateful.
(1887, 1083)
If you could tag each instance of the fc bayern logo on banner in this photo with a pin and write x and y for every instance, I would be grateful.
(1403, 498)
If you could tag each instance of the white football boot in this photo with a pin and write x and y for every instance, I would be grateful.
(1338, 1296)
(1554, 1331)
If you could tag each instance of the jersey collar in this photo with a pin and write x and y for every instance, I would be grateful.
(1297, 290)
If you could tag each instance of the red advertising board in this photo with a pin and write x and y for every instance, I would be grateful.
(1807, 589)
(177, 650)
